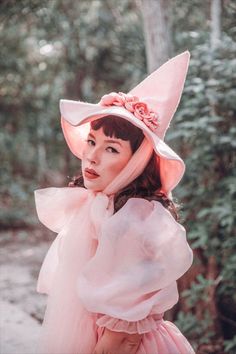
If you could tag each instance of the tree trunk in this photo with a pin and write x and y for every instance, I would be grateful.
(212, 274)
(157, 31)
(215, 23)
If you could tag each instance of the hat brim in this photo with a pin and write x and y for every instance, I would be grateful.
(75, 120)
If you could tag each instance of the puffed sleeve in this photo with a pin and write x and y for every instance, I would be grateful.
(55, 205)
(141, 253)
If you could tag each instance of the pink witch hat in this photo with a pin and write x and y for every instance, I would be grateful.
(150, 106)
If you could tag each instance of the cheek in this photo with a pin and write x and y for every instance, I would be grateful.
(84, 151)
(116, 166)
(82, 162)
(84, 155)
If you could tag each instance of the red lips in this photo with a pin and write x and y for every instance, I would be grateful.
(89, 173)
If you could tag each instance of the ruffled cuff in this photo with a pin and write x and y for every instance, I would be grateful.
(142, 326)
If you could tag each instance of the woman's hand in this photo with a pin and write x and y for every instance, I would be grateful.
(113, 342)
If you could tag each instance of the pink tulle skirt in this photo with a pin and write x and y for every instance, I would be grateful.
(165, 339)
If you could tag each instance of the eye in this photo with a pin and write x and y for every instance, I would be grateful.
(90, 142)
(113, 150)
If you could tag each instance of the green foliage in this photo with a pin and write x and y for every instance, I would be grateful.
(197, 290)
(207, 134)
(196, 331)
(206, 137)
(52, 50)
(230, 345)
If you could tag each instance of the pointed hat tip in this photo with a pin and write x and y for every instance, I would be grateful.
(187, 54)
(184, 55)
(180, 60)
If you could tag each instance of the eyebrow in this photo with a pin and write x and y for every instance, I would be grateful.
(107, 141)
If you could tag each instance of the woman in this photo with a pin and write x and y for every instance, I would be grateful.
(111, 272)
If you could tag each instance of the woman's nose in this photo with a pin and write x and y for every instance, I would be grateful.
(93, 156)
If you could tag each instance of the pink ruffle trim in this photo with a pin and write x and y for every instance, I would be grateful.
(142, 326)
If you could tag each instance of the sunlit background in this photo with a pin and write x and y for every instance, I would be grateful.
(81, 50)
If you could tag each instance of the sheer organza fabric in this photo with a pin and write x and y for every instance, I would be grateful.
(110, 270)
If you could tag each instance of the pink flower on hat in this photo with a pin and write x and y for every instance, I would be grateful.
(142, 112)
(112, 98)
(139, 109)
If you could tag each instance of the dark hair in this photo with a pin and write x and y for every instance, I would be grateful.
(148, 184)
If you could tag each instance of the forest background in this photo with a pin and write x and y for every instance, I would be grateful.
(84, 49)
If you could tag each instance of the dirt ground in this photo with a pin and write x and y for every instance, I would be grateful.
(21, 307)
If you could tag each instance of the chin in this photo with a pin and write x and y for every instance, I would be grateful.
(92, 187)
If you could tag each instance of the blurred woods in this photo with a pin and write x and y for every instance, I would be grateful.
(84, 49)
